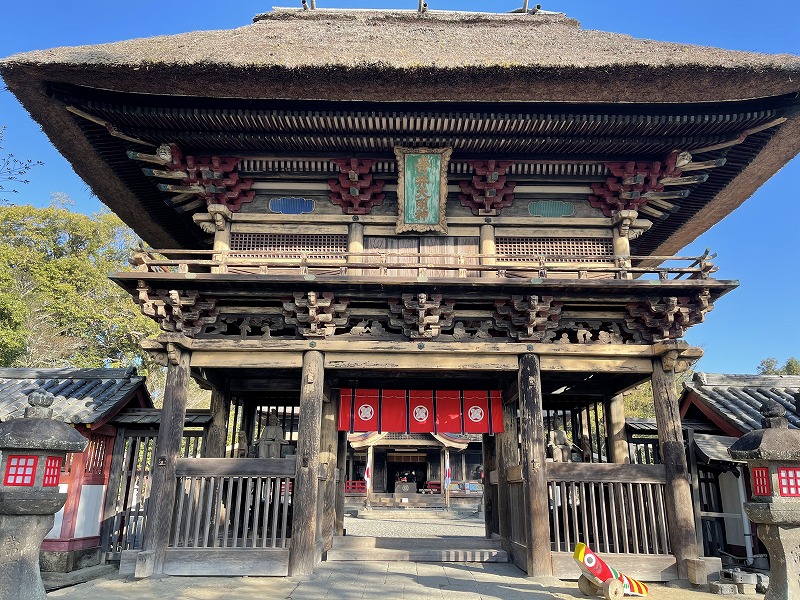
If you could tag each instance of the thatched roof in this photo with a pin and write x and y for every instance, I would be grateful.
(400, 56)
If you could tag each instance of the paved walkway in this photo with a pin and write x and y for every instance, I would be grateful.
(351, 581)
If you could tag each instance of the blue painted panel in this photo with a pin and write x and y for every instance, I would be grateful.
(291, 206)
(551, 209)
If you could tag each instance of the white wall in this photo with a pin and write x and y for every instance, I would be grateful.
(729, 490)
(90, 511)
(55, 532)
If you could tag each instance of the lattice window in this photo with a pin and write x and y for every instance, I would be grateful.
(761, 486)
(279, 245)
(52, 471)
(95, 454)
(559, 249)
(789, 481)
(21, 471)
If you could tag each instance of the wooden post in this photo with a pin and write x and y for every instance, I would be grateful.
(328, 454)
(673, 455)
(537, 530)
(341, 460)
(696, 507)
(222, 245)
(489, 464)
(447, 467)
(615, 431)
(304, 500)
(168, 446)
(214, 446)
(507, 456)
(488, 249)
(114, 477)
(369, 475)
(355, 246)
(249, 426)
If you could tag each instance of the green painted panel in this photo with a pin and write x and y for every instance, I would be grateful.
(422, 188)
(551, 209)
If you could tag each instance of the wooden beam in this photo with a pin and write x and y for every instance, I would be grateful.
(168, 445)
(304, 502)
(419, 361)
(595, 365)
(244, 359)
(537, 529)
(341, 461)
(678, 496)
(507, 456)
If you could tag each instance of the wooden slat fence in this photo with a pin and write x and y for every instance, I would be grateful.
(232, 503)
(610, 507)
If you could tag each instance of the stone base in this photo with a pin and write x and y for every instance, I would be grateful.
(20, 539)
(67, 561)
(783, 545)
(703, 570)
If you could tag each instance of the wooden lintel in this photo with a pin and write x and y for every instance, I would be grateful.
(602, 365)
(419, 361)
(244, 359)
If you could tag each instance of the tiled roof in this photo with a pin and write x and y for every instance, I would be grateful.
(640, 425)
(83, 396)
(152, 416)
(738, 398)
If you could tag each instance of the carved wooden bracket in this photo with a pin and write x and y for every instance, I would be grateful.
(248, 327)
(528, 318)
(178, 311)
(669, 317)
(633, 184)
(315, 315)
(420, 316)
(488, 192)
(211, 178)
(354, 190)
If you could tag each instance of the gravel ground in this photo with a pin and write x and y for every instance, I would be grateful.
(416, 528)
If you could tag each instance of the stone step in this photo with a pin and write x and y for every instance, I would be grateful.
(419, 555)
(358, 542)
(379, 514)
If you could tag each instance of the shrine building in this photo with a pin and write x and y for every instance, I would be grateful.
(415, 229)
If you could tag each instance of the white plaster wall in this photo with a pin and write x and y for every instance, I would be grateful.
(729, 490)
(55, 532)
(90, 511)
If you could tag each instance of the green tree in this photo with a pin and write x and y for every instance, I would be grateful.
(770, 366)
(57, 306)
(12, 169)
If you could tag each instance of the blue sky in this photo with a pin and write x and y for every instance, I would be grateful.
(757, 244)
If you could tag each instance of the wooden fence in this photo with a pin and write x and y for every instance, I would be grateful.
(612, 508)
(232, 516)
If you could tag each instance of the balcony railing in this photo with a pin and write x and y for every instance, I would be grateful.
(421, 266)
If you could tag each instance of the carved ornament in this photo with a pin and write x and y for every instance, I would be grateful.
(421, 316)
(354, 190)
(668, 318)
(315, 315)
(528, 318)
(177, 311)
(488, 192)
(245, 327)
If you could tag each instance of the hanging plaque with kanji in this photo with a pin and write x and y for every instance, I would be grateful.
(422, 189)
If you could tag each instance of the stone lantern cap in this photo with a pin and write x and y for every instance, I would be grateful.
(38, 431)
(775, 442)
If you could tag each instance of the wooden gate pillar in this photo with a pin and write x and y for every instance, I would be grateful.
(341, 461)
(150, 561)
(329, 444)
(615, 428)
(507, 456)
(214, 446)
(489, 459)
(539, 560)
(305, 494)
(678, 500)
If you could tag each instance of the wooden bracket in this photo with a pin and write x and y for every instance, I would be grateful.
(354, 190)
(669, 317)
(183, 311)
(315, 315)
(488, 192)
(421, 316)
(528, 318)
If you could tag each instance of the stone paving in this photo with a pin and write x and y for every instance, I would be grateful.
(364, 579)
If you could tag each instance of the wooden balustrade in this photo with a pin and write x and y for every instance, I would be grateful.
(612, 508)
(232, 503)
(420, 265)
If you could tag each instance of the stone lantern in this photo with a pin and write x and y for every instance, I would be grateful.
(773, 457)
(33, 450)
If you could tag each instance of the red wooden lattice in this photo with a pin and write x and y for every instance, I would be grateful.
(21, 471)
(789, 481)
(761, 486)
(52, 471)
(354, 190)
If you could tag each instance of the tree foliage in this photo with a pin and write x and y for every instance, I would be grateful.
(57, 306)
(770, 366)
(12, 169)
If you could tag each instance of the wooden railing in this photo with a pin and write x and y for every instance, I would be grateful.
(422, 265)
(232, 503)
(612, 508)
(355, 486)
